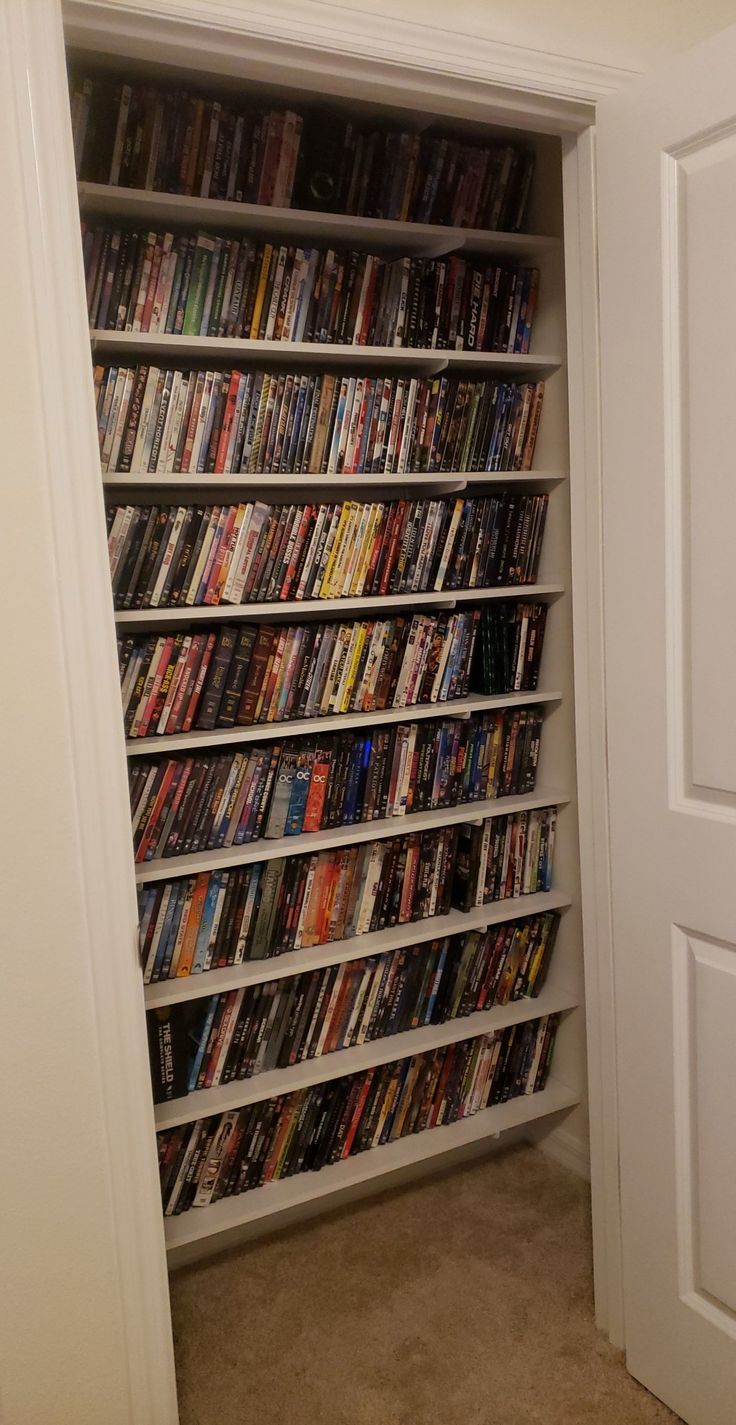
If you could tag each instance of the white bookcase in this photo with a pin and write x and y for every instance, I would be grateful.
(199, 1230)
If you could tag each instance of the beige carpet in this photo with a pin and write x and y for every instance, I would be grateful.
(466, 1300)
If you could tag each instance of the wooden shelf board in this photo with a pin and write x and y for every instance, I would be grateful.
(303, 353)
(277, 1082)
(446, 482)
(335, 722)
(291, 608)
(377, 1163)
(164, 868)
(358, 947)
(373, 234)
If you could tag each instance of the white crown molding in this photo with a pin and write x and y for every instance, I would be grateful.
(327, 30)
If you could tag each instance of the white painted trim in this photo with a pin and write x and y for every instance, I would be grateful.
(586, 511)
(330, 29)
(67, 425)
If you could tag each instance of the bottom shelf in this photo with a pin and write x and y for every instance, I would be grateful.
(278, 1197)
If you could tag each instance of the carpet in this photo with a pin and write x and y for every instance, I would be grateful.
(463, 1300)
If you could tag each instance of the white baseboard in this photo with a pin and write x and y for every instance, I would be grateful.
(568, 1150)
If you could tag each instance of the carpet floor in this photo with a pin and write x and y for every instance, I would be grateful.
(465, 1300)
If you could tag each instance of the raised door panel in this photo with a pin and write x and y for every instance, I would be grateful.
(699, 233)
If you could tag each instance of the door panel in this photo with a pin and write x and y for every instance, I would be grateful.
(699, 233)
(707, 984)
(667, 154)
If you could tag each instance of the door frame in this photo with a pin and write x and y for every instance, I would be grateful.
(346, 48)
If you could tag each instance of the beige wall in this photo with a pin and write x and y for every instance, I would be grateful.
(633, 34)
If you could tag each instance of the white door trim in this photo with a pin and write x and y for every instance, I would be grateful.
(586, 511)
(34, 64)
(523, 86)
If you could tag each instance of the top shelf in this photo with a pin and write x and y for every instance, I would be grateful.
(303, 225)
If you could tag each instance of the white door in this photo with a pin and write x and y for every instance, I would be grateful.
(667, 155)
